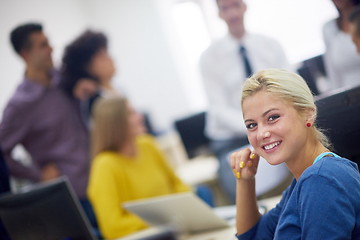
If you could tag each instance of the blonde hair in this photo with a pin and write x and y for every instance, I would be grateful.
(290, 87)
(110, 125)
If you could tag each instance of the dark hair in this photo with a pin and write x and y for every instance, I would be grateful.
(20, 36)
(77, 56)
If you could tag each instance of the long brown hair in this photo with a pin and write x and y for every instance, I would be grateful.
(110, 125)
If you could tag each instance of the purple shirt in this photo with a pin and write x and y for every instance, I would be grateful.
(49, 125)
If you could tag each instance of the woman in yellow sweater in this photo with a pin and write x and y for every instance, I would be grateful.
(126, 166)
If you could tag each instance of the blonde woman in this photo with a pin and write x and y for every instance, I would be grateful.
(126, 166)
(323, 200)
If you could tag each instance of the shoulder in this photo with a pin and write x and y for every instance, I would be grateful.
(218, 47)
(25, 94)
(255, 39)
(106, 160)
(330, 29)
(340, 172)
(146, 140)
(23, 100)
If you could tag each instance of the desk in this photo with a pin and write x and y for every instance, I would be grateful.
(221, 234)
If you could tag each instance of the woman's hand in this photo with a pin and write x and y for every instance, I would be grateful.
(244, 164)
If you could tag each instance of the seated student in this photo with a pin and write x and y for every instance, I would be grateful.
(323, 200)
(354, 19)
(126, 166)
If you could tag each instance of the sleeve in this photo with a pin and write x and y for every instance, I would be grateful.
(265, 228)
(177, 183)
(325, 209)
(107, 191)
(226, 116)
(13, 129)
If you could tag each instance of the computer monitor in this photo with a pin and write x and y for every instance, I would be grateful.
(46, 211)
(339, 116)
(191, 130)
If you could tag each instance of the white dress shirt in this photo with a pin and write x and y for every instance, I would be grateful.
(342, 62)
(223, 74)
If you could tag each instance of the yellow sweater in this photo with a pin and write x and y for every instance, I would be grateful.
(115, 178)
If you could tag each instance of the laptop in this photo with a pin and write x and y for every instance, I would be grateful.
(48, 210)
(185, 212)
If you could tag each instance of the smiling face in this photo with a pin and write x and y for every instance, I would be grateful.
(276, 130)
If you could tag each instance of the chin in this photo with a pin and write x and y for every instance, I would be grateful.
(272, 160)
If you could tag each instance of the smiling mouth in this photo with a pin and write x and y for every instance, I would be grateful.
(271, 145)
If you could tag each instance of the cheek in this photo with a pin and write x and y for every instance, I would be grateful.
(252, 138)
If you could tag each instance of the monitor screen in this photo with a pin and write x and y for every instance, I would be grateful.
(339, 116)
(46, 211)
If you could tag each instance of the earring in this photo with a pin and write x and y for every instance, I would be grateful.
(308, 124)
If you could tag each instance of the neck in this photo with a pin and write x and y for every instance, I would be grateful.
(106, 85)
(343, 20)
(129, 149)
(238, 33)
(38, 76)
(298, 166)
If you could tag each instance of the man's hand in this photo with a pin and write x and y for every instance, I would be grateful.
(49, 172)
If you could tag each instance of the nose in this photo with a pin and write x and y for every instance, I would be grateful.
(263, 133)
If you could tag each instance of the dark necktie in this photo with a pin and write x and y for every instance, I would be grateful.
(247, 65)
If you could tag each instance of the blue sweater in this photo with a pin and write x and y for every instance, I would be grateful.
(323, 204)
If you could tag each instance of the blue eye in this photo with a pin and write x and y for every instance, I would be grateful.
(273, 117)
(251, 125)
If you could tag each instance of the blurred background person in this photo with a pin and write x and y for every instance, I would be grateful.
(43, 119)
(224, 66)
(354, 19)
(87, 57)
(341, 60)
(126, 166)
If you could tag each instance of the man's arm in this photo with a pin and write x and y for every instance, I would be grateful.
(13, 129)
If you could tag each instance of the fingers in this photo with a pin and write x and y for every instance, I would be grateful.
(244, 163)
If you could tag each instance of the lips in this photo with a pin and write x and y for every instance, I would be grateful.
(271, 145)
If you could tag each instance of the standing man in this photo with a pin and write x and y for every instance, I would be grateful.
(224, 66)
(42, 118)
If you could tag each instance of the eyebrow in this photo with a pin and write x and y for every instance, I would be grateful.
(263, 115)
